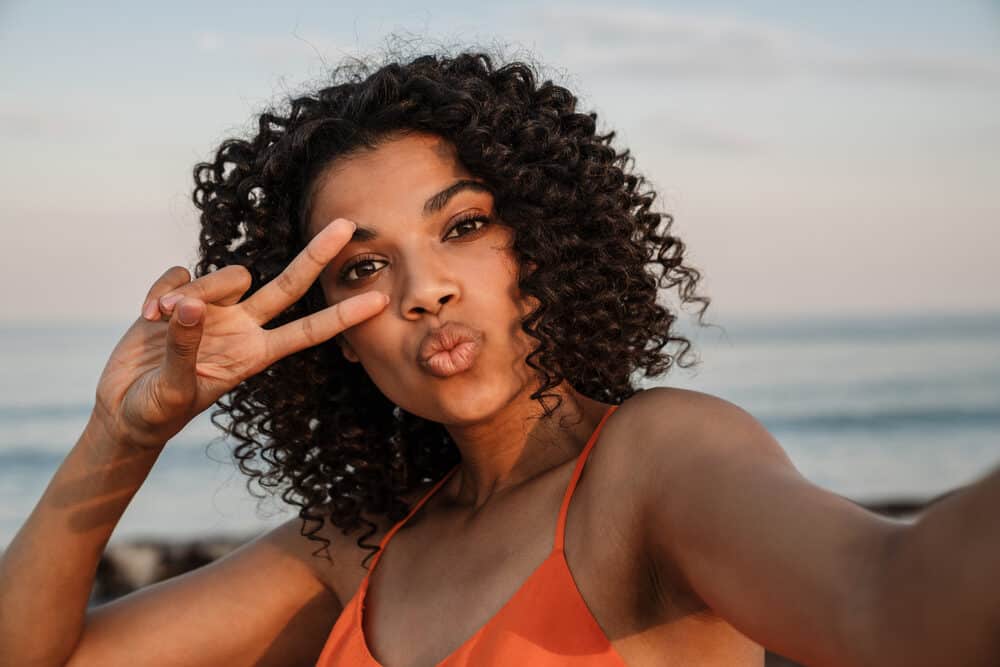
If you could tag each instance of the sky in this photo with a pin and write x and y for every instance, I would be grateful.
(819, 159)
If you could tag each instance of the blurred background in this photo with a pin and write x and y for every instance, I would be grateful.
(832, 167)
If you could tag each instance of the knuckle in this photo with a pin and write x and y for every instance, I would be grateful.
(183, 341)
(285, 283)
(241, 275)
(338, 312)
(183, 349)
(171, 279)
(309, 330)
(195, 289)
(314, 257)
(178, 274)
(245, 280)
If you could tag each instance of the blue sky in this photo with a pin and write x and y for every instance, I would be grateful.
(818, 158)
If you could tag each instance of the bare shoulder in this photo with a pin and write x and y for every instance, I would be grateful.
(682, 450)
(316, 554)
(333, 558)
(681, 427)
(728, 519)
(673, 447)
(662, 433)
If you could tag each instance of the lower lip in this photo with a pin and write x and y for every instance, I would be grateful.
(451, 362)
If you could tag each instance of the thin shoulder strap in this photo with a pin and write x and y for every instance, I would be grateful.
(413, 510)
(581, 460)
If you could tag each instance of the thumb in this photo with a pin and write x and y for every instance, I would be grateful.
(183, 338)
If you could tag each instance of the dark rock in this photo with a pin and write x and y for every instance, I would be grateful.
(129, 566)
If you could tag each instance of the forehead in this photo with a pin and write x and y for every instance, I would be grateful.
(399, 174)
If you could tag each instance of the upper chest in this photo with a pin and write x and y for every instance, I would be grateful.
(441, 580)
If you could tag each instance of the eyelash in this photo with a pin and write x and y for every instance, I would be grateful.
(367, 258)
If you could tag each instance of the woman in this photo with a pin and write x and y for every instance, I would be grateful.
(454, 268)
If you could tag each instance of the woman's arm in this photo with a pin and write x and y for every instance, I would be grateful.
(803, 571)
(262, 604)
(164, 372)
(47, 571)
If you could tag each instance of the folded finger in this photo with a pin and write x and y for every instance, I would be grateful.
(171, 279)
(224, 287)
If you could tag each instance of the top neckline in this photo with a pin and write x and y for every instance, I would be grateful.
(557, 548)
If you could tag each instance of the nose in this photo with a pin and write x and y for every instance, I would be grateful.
(429, 286)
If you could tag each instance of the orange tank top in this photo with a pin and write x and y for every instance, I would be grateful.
(546, 623)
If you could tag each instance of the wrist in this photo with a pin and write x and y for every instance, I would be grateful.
(103, 434)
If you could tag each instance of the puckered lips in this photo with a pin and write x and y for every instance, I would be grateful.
(449, 349)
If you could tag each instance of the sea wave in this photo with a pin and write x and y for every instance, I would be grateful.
(908, 418)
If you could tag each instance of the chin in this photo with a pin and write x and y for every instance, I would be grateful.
(462, 401)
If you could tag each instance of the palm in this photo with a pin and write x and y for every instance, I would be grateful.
(231, 349)
(160, 375)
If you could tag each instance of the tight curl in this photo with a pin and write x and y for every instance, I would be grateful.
(313, 427)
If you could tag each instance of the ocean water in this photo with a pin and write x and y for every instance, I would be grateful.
(904, 407)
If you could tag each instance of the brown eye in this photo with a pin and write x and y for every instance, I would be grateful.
(363, 266)
(467, 223)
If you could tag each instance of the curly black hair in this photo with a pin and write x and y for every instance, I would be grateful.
(313, 427)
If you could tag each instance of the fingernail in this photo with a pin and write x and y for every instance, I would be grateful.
(149, 310)
(187, 316)
(167, 301)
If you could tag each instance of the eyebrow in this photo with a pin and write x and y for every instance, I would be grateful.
(440, 200)
(431, 206)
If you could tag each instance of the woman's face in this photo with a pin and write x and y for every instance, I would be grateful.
(427, 236)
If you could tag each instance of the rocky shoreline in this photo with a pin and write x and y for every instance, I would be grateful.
(130, 565)
(127, 566)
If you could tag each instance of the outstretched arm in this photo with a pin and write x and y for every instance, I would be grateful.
(806, 572)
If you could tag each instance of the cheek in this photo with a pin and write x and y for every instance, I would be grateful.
(521, 303)
(367, 338)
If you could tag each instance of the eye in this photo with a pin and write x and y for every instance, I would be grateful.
(467, 222)
(362, 264)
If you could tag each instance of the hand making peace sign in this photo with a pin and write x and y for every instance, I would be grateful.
(164, 373)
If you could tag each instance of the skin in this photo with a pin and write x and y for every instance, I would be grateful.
(691, 538)
(433, 273)
(512, 463)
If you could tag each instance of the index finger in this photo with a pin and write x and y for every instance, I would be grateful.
(323, 325)
(289, 285)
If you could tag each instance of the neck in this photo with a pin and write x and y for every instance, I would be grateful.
(518, 444)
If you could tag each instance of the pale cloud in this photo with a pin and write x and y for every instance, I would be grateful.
(278, 49)
(16, 124)
(640, 42)
(921, 68)
(29, 121)
(209, 41)
(675, 132)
